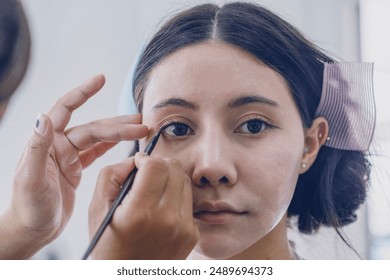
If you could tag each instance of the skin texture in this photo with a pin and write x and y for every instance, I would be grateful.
(49, 171)
(241, 182)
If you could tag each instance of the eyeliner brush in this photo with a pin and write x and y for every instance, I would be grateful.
(118, 200)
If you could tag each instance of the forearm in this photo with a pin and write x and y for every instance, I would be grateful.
(16, 243)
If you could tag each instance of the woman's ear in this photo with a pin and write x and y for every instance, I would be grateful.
(316, 136)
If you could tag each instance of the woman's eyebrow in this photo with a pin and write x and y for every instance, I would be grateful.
(248, 99)
(176, 102)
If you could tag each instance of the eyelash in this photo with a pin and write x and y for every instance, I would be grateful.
(176, 122)
(264, 124)
(172, 122)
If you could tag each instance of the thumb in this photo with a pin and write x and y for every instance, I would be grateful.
(37, 150)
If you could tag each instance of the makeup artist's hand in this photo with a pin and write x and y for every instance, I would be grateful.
(154, 221)
(50, 170)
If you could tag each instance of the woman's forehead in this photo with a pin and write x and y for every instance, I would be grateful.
(213, 71)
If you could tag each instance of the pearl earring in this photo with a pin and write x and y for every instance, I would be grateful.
(303, 165)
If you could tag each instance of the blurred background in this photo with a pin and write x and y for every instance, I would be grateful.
(76, 39)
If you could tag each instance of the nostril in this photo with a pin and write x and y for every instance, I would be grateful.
(204, 181)
(224, 180)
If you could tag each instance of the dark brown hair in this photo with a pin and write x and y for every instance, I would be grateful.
(14, 47)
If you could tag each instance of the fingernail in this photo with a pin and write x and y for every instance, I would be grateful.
(40, 125)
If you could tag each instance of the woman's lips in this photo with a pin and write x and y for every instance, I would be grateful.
(216, 213)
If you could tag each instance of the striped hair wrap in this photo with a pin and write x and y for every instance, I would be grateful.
(347, 102)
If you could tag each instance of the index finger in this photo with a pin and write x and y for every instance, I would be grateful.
(62, 110)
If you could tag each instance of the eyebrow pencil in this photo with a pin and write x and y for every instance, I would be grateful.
(123, 192)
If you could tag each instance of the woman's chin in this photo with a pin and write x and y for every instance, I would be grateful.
(219, 249)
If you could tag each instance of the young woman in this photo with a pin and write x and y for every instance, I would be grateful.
(253, 136)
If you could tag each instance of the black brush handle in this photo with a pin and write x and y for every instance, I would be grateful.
(121, 195)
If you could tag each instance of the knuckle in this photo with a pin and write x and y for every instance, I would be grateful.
(92, 135)
(108, 176)
(119, 135)
(65, 104)
(171, 223)
(188, 234)
(143, 222)
(35, 145)
(106, 172)
(167, 224)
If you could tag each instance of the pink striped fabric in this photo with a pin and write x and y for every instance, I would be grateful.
(347, 102)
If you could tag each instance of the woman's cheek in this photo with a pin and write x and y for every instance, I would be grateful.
(274, 179)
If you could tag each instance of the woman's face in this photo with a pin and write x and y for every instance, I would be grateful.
(237, 133)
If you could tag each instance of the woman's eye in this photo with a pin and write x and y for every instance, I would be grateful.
(252, 127)
(178, 129)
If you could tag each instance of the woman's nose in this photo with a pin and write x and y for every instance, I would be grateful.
(214, 162)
